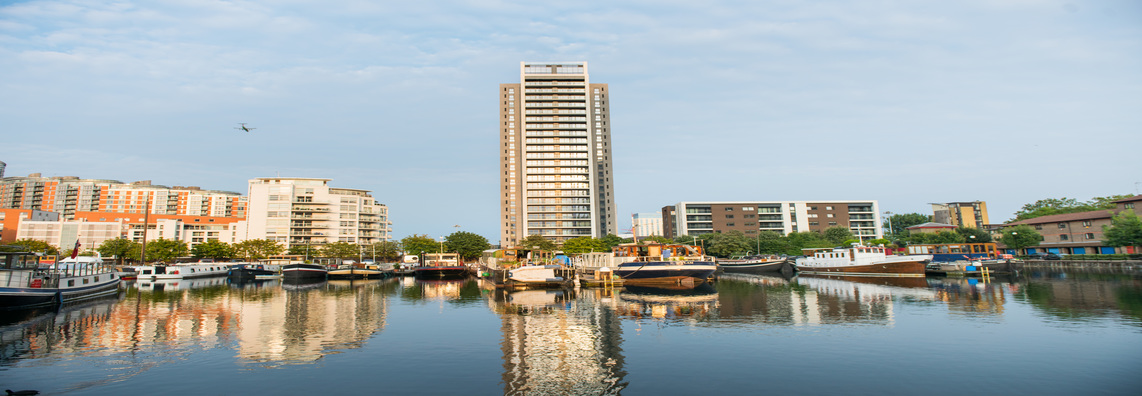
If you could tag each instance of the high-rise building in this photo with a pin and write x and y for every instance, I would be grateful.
(307, 211)
(555, 155)
(69, 195)
(963, 214)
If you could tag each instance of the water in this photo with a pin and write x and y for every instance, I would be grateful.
(1040, 333)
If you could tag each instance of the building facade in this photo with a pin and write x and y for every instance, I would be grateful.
(961, 214)
(307, 211)
(1078, 233)
(10, 220)
(69, 195)
(647, 224)
(555, 155)
(94, 228)
(782, 217)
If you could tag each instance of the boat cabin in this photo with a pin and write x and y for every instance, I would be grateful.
(441, 259)
(657, 251)
(947, 252)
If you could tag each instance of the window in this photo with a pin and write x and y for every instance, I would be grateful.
(729, 224)
(1086, 224)
(1038, 226)
(1130, 205)
(828, 208)
(1064, 237)
(832, 223)
(729, 216)
(747, 208)
(830, 215)
(729, 209)
(1062, 225)
(1089, 235)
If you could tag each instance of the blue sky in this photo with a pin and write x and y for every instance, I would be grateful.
(905, 102)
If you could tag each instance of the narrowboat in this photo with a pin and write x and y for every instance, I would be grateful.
(441, 266)
(860, 260)
(25, 283)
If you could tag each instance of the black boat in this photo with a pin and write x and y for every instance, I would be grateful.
(249, 271)
(756, 265)
(296, 272)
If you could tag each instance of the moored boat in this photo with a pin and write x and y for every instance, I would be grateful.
(249, 271)
(356, 271)
(861, 261)
(303, 272)
(664, 265)
(756, 265)
(27, 284)
(441, 266)
(201, 269)
(538, 276)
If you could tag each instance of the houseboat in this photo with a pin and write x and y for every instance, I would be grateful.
(201, 269)
(357, 271)
(441, 266)
(860, 260)
(965, 258)
(303, 272)
(661, 265)
(25, 283)
(249, 271)
(756, 264)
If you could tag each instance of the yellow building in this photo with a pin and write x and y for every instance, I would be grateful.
(962, 214)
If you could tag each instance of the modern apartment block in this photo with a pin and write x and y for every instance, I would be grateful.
(10, 220)
(783, 217)
(647, 224)
(69, 195)
(94, 228)
(555, 155)
(963, 214)
(307, 211)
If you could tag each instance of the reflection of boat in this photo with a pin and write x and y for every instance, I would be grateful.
(303, 272)
(861, 261)
(178, 284)
(27, 285)
(654, 264)
(640, 301)
(249, 271)
(764, 279)
(868, 288)
(343, 283)
(441, 266)
(446, 289)
(756, 264)
(297, 285)
(201, 269)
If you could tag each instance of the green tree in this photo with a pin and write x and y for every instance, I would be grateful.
(468, 245)
(728, 244)
(769, 242)
(656, 239)
(37, 246)
(165, 250)
(947, 237)
(610, 241)
(341, 250)
(838, 235)
(685, 240)
(981, 236)
(212, 249)
(1054, 206)
(1019, 237)
(417, 244)
(878, 242)
(806, 240)
(384, 251)
(257, 249)
(901, 222)
(534, 242)
(582, 245)
(1125, 230)
(120, 249)
(303, 250)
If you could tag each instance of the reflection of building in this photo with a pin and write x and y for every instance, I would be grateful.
(560, 346)
(961, 214)
(782, 217)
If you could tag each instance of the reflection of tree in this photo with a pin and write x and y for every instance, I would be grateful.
(1075, 294)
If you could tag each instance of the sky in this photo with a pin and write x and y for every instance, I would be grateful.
(903, 102)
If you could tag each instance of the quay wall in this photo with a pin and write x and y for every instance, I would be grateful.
(1091, 264)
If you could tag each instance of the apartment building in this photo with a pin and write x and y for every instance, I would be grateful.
(555, 155)
(10, 220)
(647, 224)
(1078, 233)
(69, 195)
(307, 211)
(961, 214)
(782, 217)
(94, 228)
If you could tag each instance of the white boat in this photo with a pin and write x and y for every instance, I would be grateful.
(539, 276)
(652, 264)
(860, 260)
(25, 283)
(201, 269)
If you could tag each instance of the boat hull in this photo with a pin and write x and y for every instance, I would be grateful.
(896, 268)
(756, 266)
(158, 272)
(441, 272)
(12, 298)
(665, 273)
(355, 273)
(303, 272)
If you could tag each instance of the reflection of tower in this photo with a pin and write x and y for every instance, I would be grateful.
(556, 343)
(317, 318)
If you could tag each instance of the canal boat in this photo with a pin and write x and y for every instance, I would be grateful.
(965, 258)
(860, 260)
(357, 271)
(25, 283)
(250, 271)
(202, 269)
(755, 264)
(303, 272)
(537, 276)
(661, 265)
(441, 266)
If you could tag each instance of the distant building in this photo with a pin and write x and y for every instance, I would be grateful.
(69, 195)
(2, 166)
(307, 211)
(555, 155)
(782, 217)
(647, 224)
(961, 214)
(10, 221)
(931, 227)
(1078, 233)
(94, 228)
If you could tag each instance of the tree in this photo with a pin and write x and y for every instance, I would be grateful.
(341, 250)
(728, 244)
(947, 237)
(304, 250)
(417, 244)
(901, 222)
(212, 249)
(610, 241)
(685, 240)
(1053, 206)
(537, 242)
(770, 242)
(165, 250)
(468, 245)
(120, 249)
(1125, 230)
(385, 251)
(838, 234)
(1019, 237)
(656, 239)
(981, 236)
(257, 249)
(582, 245)
(37, 246)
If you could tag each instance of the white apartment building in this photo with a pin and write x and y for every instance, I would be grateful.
(307, 211)
(91, 234)
(783, 217)
(555, 155)
(647, 224)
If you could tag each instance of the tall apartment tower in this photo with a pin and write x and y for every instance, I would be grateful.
(555, 155)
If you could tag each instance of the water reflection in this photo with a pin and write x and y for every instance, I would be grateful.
(559, 342)
(1075, 295)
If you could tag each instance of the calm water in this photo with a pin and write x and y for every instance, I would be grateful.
(1040, 333)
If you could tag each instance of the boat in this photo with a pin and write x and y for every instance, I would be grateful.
(201, 269)
(965, 258)
(661, 265)
(860, 260)
(357, 271)
(538, 276)
(298, 272)
(126, 273)
(441, 266)
(755, 264)
(25, 283)
(249, 271)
